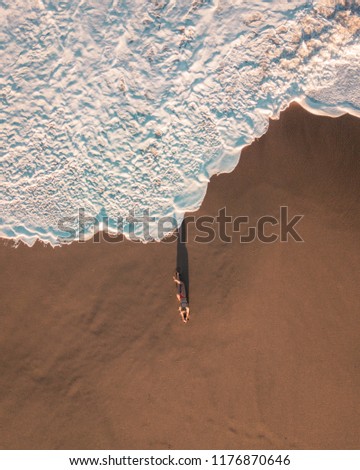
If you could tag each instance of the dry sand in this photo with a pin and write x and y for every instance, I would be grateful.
(94, 355)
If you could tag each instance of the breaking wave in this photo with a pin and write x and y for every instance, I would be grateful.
(120, 106)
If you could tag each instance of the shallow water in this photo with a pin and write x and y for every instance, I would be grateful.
(119, 107)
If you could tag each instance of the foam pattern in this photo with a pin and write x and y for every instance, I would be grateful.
(115, 106)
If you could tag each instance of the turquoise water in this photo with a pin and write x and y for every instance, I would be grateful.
(119, 106)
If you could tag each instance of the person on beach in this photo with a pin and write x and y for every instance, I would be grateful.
(184, 309)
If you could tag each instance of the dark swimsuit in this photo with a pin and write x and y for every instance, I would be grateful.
(182, 293)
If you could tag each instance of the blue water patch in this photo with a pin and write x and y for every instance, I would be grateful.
(113, 108)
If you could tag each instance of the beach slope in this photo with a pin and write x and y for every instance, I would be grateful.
(94, 355)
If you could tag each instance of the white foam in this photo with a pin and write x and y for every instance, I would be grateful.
(127, 106)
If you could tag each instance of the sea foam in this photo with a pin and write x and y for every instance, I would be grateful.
(124, 106)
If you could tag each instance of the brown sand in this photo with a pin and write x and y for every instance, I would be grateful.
(94, 355)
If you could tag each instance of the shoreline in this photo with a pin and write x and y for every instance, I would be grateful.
(303, 102)
(95, 355)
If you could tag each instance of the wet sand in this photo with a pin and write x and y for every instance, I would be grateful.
(94, 355)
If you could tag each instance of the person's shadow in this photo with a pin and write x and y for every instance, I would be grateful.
(182, 259)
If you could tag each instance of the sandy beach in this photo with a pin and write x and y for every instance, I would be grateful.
(94, 354)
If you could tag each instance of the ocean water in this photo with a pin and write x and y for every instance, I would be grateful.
(116, 107)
